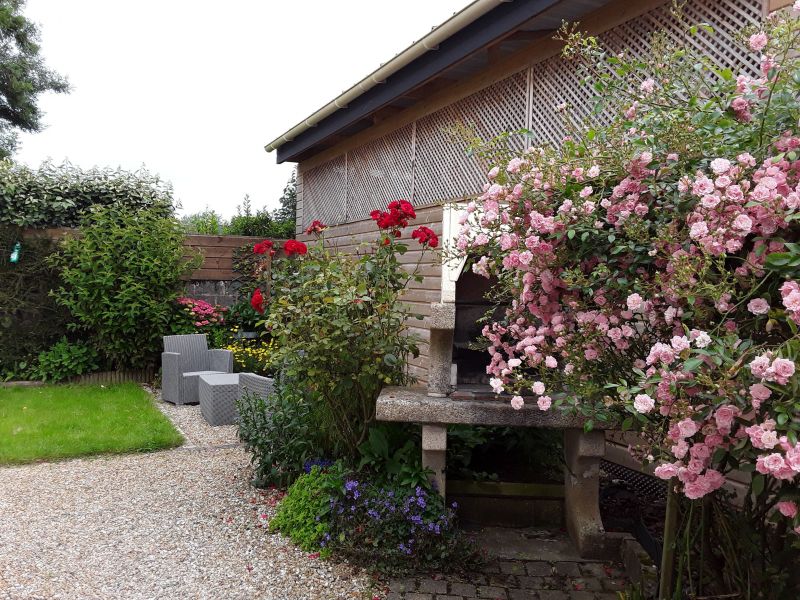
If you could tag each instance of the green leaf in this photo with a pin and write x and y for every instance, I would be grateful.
(757, 484)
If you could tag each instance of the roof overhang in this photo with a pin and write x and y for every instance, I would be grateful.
(499, 28)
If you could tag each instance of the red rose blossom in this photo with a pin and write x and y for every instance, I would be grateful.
(425, 236)
(397, 216)
(316, 226)
(257, 301)
(262, 247)
(294, 247)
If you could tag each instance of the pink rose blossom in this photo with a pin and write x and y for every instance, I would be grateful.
(687, 428)
(517, 402)
(634, 302)
(666, 471)
(758, 41)
(758, 306)
(787, 509)
(538, 388)
(643, 403)
(720, 165)
(544, 402)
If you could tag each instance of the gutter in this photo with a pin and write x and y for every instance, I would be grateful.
(431, 41)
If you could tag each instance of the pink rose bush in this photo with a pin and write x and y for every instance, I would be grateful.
(651, 265)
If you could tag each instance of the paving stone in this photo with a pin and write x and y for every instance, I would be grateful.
(403, 585)
(448, 597)
(539, 568)
(534, 583)
(586, 583)
(553, 583)
(522, 595)
(416, 596)
(570, 569)
(432, 586)
(613, 585)
(477, 579)
(552, 595)
(491, 568)
(607, 596)
(463, 589)
(581, 595)
(593, 570)
(394, 596)
(512, 568)
(493, 592)
(501, 580)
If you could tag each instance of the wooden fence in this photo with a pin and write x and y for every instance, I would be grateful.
(217, 251)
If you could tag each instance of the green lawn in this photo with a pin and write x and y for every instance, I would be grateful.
(63, 421)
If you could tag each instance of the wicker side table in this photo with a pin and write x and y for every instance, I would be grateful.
(218, 394)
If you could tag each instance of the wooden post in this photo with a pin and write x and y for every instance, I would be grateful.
(666, 580)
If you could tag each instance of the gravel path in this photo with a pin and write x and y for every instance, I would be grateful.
(182, 523)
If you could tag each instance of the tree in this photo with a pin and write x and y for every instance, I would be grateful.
(23, 76)
(279, 224)
(288, 209)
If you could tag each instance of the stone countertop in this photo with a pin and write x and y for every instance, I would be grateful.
(413, 405)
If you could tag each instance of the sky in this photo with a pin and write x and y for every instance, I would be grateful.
(193, 90)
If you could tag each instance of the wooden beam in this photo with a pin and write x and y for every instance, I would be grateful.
(596, 22)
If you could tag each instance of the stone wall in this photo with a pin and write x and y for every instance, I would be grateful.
(224, 293)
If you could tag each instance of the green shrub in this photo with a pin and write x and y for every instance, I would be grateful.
(262, 224)
(121, 277)
(280, 433)
(58, 196)
(207, 222)
(392, 453)
(66, 360)
(304, 513)
(30, 319)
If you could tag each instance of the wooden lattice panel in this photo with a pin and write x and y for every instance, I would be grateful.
(380, 172)
(443, 170)
(325, 193)
(557, 82)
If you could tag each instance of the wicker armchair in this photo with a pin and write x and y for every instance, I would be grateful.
(255, 384)
(184, 359)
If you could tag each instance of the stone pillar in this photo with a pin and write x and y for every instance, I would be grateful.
(434, 454)
(440, 352)
(583, 452)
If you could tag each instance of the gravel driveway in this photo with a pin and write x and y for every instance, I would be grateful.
(182, 523)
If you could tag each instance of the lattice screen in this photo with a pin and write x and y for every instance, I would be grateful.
(427, 162)
(443, 170)
(380, 172)
(557, 82)
(325, 193)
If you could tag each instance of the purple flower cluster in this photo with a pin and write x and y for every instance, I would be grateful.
(405, 519)
(322, 463)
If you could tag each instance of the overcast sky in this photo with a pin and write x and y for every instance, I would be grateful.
(194, 90)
